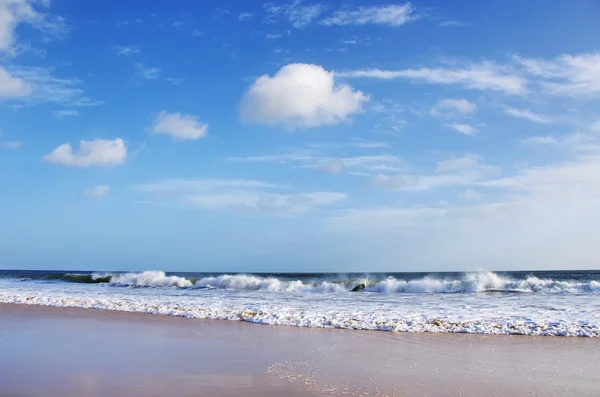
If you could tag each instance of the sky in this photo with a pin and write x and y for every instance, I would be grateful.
(299, 136)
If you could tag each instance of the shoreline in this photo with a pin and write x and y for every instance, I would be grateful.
(63, 351)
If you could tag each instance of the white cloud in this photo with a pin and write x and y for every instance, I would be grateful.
(146, 72)
(451, 23)
(529, 115)
(13, 87)
(272, 36)
(570, 75)
(460, 171)
(46, 87)
(238, 195)
(16, 12)
(177, 23)
(59, 114)
(245, 16)
(124, 50)
(458, 163)
(175, 80)
(388, 15)
(595, 127)
(298, 15)
(197, 33)
(464, 129)
(97, 191)
(470, 195)
(449, 106)
(300, 95)
(542, 140)
(99, 152)
(477, 76)
(179, 126)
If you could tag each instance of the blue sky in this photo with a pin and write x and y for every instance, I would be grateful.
(299, 136)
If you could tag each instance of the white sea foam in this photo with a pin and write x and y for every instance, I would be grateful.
(469, 283)
(149, 279)
(307, 316)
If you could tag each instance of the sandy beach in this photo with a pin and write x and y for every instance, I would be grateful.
(80, 352)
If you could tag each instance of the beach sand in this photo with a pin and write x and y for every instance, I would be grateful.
(47, 351)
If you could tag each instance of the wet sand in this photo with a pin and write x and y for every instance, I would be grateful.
(46, 351)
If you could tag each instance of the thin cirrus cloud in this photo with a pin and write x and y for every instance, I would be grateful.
(477, 76)
(125, 50)
(34, 85)
(529, 115)
(146, 72)
(97, 191)
(60, 114)
(300, 95)
(387, 15)
(465, 129)
(238, 195)
(179, 126)
(300, 16)
(98, 152)
(451, 106)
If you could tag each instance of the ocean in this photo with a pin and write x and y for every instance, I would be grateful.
(551, 303)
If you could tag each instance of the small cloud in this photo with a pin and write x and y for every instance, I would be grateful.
(125, 51)
(59, 114)
(139, 20)
(99, 152)
(529, 115)
(348, 41)
(387, 15)
(245, 16)
(175, 80)
(179, 126)
(451, 24)
(97, 191)
(279, 50)
(343, 49)
(596, 127)
(177, 23)
(300, 95)
(465, 129)
(450, 106)
(121, 23)
(272, 36)
(197, 33)
(148, 73)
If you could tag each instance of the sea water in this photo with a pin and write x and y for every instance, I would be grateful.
(526, 303)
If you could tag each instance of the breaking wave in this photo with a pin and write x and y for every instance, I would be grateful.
(466, 283)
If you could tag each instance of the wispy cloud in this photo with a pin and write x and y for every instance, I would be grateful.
(451, 24)
(245, 16)
(239, 195)
(529, 115)
(478, 76)
(197, 33)
(125, 50)
(10, 144)
(271, 36)
(300, 16)
(175, 80)
(43, 86)
(16, 12)
(59, 114)
(97, 191)
(464, 129)
(146, 72)
(388, 15)
(451, 107)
